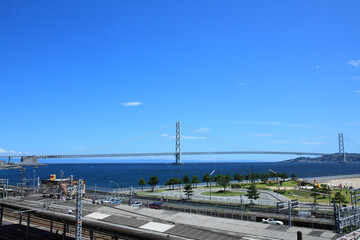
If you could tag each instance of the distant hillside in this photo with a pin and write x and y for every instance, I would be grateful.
(335, 157)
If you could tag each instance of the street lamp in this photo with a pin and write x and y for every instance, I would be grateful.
(115, 183)
(210, 182)
(276, 176)
(34, 178)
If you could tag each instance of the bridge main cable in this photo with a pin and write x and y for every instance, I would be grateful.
(173, 154)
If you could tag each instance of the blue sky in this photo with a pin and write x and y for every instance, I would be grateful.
(258, 75)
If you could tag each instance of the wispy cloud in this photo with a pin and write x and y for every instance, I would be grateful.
(131, 104)
(354, 63)
(192, 137)
(11, 152)
(202, 130)
(259, 135)
(241, 84)
(355, 77)
(317, 66)
(358, 91)
(299, 143)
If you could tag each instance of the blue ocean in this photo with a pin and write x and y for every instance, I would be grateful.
(126, 174)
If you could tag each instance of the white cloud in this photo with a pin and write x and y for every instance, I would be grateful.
(10, 152)
(354, 63)
(192, 137)
(317, 66)
(202, 130)
(131, 104)
(241, 84)
(358, 91)
(164, 135)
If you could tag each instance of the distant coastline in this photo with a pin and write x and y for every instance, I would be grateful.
(334, 157)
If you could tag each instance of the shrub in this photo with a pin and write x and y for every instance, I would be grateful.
(280, 191)
(235, 185)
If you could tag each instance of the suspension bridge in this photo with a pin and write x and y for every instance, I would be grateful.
(177, 154)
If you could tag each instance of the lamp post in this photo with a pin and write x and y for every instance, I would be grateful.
(210, 182)
(276, 176)
(115, 183)
(34, 178)
(61, 180)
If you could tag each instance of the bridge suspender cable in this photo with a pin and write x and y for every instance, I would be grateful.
(217, 140)
(118, 143)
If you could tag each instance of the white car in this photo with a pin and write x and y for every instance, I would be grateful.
(272, 221)
(137, 204)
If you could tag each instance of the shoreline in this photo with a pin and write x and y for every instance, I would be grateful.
(351, 180)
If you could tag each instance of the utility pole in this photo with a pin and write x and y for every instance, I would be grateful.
(34, 178)
(61, 175)
(289, 205)
(79, 207)
(211, 181)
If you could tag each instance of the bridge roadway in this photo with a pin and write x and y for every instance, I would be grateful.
(170, 154)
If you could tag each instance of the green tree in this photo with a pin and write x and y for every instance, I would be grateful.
(228, 177)
(142, 183)
(316, 193)
(168, 183)
(239, 177)
(222, 181)
(283, 176)
(339, 198)
(207, 179)
(252, 192)
(188, 190)
(154, 180)
(195, 181)
(254, 176)
(186, 179)
(264, 177)
(293, 177)
(273, 175)
(324, 190)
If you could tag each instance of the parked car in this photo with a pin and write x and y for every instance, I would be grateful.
(155, 205)
(272, 221)
(105, 201)
(116, 201)
(136, 204)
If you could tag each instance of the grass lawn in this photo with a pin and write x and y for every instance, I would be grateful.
(289, 184)
(221, 193)
(305, 196)
(258, 185)
(149, 191)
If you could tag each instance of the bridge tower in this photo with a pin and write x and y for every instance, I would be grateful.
(178, 144)
(341, 146)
